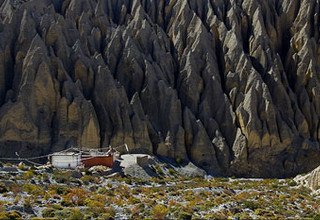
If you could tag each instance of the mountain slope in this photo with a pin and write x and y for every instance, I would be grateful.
(232, 86)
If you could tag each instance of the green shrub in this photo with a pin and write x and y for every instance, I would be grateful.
(66, 203)
(87, 179)
(3, 215)
(70, 213)
(158, 170)
(27, 175)
(62, 190)
(106, 216)
(95, 207)
(221, 179)
(109, 213)
(76, 196)
(185, 216)
(263, 213)
(172, 171)
(12, 215)
(76, 214)
(251, 205)
(48, 213)
(61, 177)
(133, 200)
(39, 218)
(159, 211)
(3, 188)
(292, 183)
(27, 205)
(2, 206)
(56, 206)
(128, 181)
(22, 166)
(102, 190)
(45, 178)
(178, 160)
(316, 216)
(244, 215)
(33, 189)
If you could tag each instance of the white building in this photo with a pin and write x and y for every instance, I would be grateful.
(65, 160)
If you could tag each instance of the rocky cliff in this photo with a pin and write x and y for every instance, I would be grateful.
(310, 180)
(231, 85)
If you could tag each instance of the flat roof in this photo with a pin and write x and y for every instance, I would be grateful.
(65, 154)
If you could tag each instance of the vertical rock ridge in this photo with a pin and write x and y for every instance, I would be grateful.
(232, 86)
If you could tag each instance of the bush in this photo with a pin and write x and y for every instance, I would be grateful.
(28, 174)
(39, 218)
(222, 180)
(87, 179)
(95, 207)
(185, 216)
(100, 198)
(3, 215)
(48, 213)
(159, 211)
(158, 170)
(61, 177)
(27, 205)
(172, 171)
(71, 214)
(109, 213)
(2, 206)
(263, 213)
(56, 206)
(22, 166)
(76, 214)
(251, 205)
(12, 215)
(102, 190)
(128, 181)
(292, 183)
(3, 188)
(62, 190)
(33, 189)
(136, 211)
(133, 200)
(316, 216)
(179, 160)
(76, 197)
(107, 216)
(45, 178)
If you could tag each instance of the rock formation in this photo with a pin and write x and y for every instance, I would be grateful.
(232, 86)
(310, 180)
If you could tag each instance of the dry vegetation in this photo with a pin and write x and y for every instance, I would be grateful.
(55, 194)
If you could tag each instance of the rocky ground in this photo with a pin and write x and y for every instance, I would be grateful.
(42, 193)
(230, 85)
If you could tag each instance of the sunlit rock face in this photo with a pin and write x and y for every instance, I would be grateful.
(230, 85)
(310, 180)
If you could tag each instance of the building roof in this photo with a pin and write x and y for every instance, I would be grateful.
(65, 154)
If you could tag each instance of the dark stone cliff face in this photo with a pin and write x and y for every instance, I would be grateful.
(231, 85)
